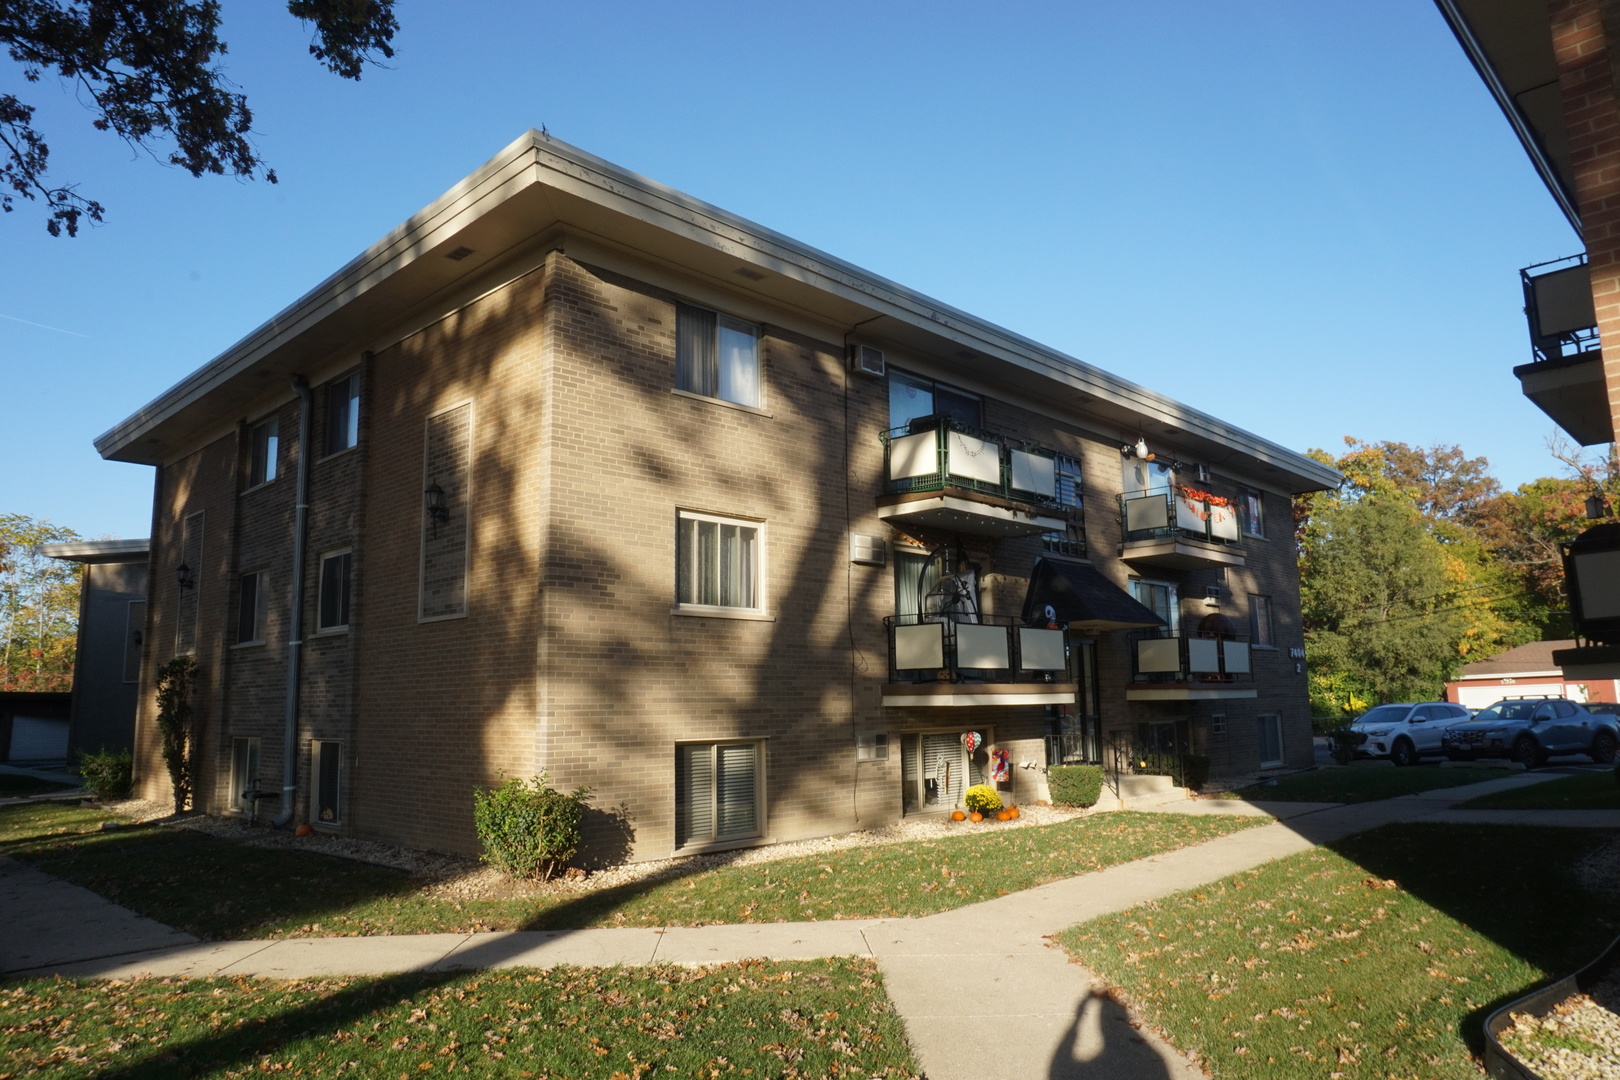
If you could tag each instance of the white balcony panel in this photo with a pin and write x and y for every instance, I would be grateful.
(1034, 473)
(1237, 656)
(1158, 655)
(921, 646)
(1599, 575)
(1042, 650)
(1146, 512)
(1223, 523)
(981, 646)
(1189, 514)
(914, 455)
(974, 459)
(1203, 655)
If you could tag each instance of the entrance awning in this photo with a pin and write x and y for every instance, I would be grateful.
(1083, 598)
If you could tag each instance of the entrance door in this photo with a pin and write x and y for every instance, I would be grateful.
(1079, 727)
(935, 770)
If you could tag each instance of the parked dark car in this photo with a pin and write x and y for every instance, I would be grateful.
(1529, 730)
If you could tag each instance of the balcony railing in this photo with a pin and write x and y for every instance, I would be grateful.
(1180, 513)
(1157, 656)
(936, 453)
(1558, 305)
(991, 649)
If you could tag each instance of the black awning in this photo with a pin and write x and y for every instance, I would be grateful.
(1083, 598)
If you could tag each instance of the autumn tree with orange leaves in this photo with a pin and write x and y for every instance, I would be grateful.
(39, 607)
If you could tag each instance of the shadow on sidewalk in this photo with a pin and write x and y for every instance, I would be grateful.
(1103, 1044)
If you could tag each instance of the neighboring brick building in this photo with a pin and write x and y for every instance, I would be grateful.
(608, 483)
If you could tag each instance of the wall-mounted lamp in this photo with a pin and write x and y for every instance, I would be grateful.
(182, 577)
(437, 511)
(1596, 507)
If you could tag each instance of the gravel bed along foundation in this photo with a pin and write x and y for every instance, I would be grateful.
(1578, 1040)
(458, 877)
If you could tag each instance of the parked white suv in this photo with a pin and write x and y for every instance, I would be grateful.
(1405, 732)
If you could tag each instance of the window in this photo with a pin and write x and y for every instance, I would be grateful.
(266, 443)
(1270, 734)
(717, 562)
(872, 746)
(1260, 620)
(1252, 512)
(1160, 598)
(334, 606)
(1139, 477)
(912, 397)
(134, 635)
(250, 609)
(717, 792)
(1217, 724)
(326, 760)
(716, 356)
(1071, 497)
(343, 413)
(244, 773)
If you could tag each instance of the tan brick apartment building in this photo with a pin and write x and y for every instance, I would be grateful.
(605, 482)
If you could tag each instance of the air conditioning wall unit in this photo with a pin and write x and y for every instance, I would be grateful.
(867, 360)
(868, 550)
(1212, 594)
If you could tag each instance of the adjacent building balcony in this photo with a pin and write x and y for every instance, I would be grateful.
(1565, 375)
(941, 474)
(938, 662)
(1189, 667)
(1180, 528)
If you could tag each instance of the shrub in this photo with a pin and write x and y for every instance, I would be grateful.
(982, 798)
(1075, 785)
(1343, 742)
(529, 831)
(109, 774)
(174, 682)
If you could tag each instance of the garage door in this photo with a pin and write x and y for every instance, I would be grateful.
(38, 739)
(1477, 697)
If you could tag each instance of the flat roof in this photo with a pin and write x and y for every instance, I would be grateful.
(98, 551)
(538, 185)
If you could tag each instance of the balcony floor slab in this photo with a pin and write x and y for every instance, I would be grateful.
(1189, 692)
(958, 513)
(1179, 554)
(949, 695)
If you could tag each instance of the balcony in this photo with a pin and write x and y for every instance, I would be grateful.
(943, 475)
(1565, 376)
(939, 662)
(1180, 529)
(1188, 667)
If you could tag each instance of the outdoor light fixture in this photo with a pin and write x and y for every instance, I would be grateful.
(1596, 507)
(436, 509)
(1592, 582)
(1138, 450)
(182, 576)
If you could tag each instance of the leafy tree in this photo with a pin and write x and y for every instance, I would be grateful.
(1442, 482)
(148, 70)
(39, 607)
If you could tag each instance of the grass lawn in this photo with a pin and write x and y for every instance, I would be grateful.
(1588, 791)
(811, 1018)
(1355, 784)
(14, 786)
(1379, 958)
(218, 890)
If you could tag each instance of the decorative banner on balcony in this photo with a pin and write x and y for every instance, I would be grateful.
(972, 740)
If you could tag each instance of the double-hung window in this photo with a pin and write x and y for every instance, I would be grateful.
(1252, 511)
(265, 446)
(1071, 501)
(717, 562)
(343, 413)
(717, 792)
(252, 600)
(1160, 598)
(334, 605)
(1260, 620)
(717, 356)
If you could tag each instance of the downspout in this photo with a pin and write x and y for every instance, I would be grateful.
(295, 629)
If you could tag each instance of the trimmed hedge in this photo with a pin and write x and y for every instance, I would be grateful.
(107, 775)
(1075, 785)
(529, 831)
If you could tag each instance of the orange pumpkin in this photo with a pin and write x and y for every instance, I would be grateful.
(1004, 816)
(1012, 811)
(957, 815)
(303, 829)
(975, 816)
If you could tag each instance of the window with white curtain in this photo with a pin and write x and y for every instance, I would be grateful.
(717, 792)
(717, 356)
(717, 562)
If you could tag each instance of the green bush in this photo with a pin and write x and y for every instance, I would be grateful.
(529, 831)
(982, 798)
(1075, 785)
(109, 774)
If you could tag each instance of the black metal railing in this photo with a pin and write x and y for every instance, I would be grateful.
(1181, 512)
(936, 452)
(978, 648)
(1124, 754)
(1161, 656)
(1559, 309)
(1072, 748)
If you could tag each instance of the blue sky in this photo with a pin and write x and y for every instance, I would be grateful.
(1304, 218)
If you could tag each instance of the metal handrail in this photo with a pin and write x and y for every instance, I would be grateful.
(1232, 665)
(950, 668)
(943, 477)
(1173, 527)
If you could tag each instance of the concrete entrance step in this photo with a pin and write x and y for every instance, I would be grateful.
(1136, 792)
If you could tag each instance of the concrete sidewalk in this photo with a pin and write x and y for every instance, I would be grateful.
(961, 979)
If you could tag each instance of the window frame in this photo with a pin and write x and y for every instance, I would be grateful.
(245, 759)
(321, 626)
(714, 839)
(134, 640)
(1259, 602)
(1174, 590)
(1282, 754)
(759, 610)
(704, 384)
(1252, 512)
(894, 375)
(260, 616)
(317, 757)
(264, 452)
(1071, 541)
(351, 413)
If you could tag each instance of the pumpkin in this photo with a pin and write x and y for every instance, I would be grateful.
(1004, 816)
(303, 830)
(975, 816)
(1012, 811)
(957, 815)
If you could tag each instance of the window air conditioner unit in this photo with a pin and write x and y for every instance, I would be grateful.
(867, 550)
(1212, 594)
(865, 360)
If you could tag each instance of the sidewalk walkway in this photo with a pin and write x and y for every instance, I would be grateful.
(963, 979)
